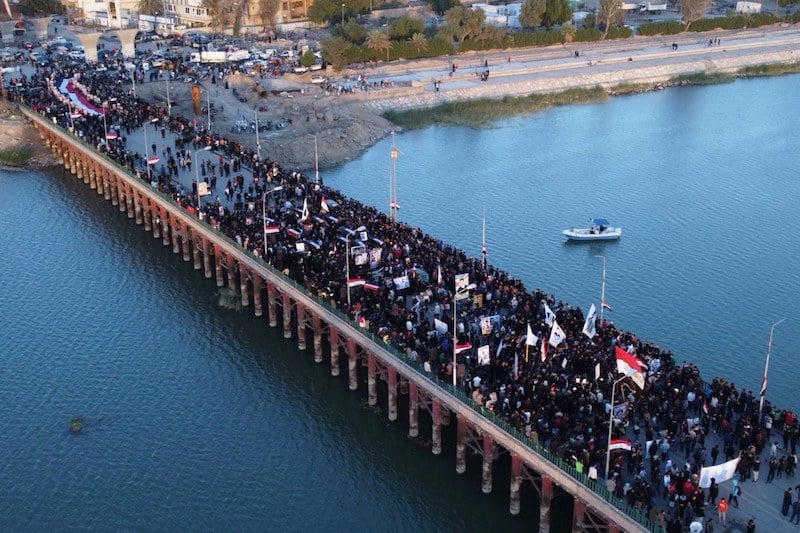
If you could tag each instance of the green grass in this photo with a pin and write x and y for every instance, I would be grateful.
(477, 113)
(702, 79)
(777, 69)
(15, 157)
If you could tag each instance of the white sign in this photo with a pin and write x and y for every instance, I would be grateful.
(720, 473)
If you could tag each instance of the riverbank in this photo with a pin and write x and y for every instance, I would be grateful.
(20, 145)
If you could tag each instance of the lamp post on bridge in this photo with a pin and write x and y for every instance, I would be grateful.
(197, 173)
(264, 214)
(459, 294)
(611, 421)
(763, 390)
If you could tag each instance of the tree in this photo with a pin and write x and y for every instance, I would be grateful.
(40, 8)
(404, 27)
(377, 41)
(609, 13)
(463, 23)
(692, 10)
(151, 7)
(531, 13)
(268, 10)
(334, 51)
(217, 11)
(307, 59)
(419, 42)
(440, 7)
(556, 12)
(352, 31)
(330, 11)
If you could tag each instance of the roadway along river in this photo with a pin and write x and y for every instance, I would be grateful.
(201, 418)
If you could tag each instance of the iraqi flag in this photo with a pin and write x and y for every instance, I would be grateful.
(323, 206)
(111, 136)
(371, 287)
(620, 444)
(152, 160)
(271, 230)
(763, 386)
(75, 114)
(394, 205)
(544, 351)
(630, 365)
(463, 347)
(588, 327)
(294, 233)
(356, 282)
(604, 305)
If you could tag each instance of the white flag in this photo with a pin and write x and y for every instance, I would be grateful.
(483, 355)
(202, 189)
(557, 335)
(720, 473)
(588, 326)
(439, 274)
(597, 371)
(304, 216)
(530, 338)
(549, 315)
(441, 327)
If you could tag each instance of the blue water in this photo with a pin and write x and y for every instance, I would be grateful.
(205, 419)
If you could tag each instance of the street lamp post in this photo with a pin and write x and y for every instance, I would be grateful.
(763, 390)
(264, 214)
(147, 150)
(105, 123)
(208, 106)
(169, 103)
(611, 421)
(197, 173)
(342, 13)
(602, 288)
(456, 295)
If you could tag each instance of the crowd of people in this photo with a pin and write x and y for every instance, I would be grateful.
(402, 286)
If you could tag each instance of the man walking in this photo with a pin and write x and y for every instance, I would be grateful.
(736, 490)
(756, 467)
(773, 466)
(795, 512)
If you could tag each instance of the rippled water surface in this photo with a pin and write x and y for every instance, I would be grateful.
(205, 419)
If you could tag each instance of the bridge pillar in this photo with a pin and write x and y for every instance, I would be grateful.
(436, 428)
(461, 446)
(90, 170)
(613, 528)
(114, 189)
(7, 28)
(392, 397)
(245, 295)
(413, 409)
(166, 227)
(316, 326)
(218, 265)
(187, 253)
(129, 200)
(578, 508)
(333, 338)
(516, 481)
(231, 270)
(352, 364)
(372, 382)
(544, 504)
(445, 416)
(206, 258)
(104, 179)
(89, 42)
(174, 227)
(258, 283)
(82, 174)
(147, 210)
(73, 165)
(137, 208)
(273, 318)
(40, 27)
(197, 242)
(488, 455)
(127, 39)
(287, 316)
(300, 310)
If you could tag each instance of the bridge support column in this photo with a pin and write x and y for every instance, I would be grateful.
(333, 339)
(413, 410)
(461, 446)
(156, 220)
(287, 316)
(82, 171)
(316, 326)
(243, 285)
(197, 242)
(122, 195)
(578, 508)
(273, 317)
(137, 208)
(129, 201)
(73, 165)
(613, 528)
(392, 397)
(174, 229)
(436, 428)
(372, 382)
(114, 189)
(488, 455)
(147, 210)
(544, 504)
(258, 283)
(106, 181)
(300, 310)
(187, 253)
(231, 270)
(218, 266)
(89, 169)
(445, 416)
(352, 364)
(516, 481)
(166, 227)
(206, 258)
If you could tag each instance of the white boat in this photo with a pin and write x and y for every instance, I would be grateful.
(599, 230)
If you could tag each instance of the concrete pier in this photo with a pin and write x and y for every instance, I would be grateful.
(461, 445)
(300, 311)
(413, 410)
(333, 339)
(391, 400)
(436, 429)
(316, 326)
(372, 384)
(488, 457)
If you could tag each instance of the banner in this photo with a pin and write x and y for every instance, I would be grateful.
(720, 473)
(401, 283)
(441, 327)
(483, 355)
(486, 325)
(462, 281)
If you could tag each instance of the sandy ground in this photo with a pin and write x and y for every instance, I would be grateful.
(19, 134)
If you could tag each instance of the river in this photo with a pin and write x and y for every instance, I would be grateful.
(197, 417)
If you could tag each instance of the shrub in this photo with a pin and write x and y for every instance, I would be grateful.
(672, 27)
(585, 35)
(14, 157)
(521, 39)
(618, 32)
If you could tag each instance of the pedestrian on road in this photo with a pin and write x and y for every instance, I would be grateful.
(709, 527)
(714, 454)
(756, 467)
(787, 502)
(751, 525)
(736, 490)
(795, 512)
(713, 492)
(773, 466)
(722, 511)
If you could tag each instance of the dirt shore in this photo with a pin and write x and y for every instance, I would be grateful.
(19, 134)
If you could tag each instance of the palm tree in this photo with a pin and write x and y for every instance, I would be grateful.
(378, 41)
(419, 42)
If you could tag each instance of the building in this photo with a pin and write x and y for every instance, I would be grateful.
(503, 16)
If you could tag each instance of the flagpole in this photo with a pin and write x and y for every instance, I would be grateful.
(258, 141)
(316, 161)
(483, 240)
(602, 288)
(611, 424)
(347, 268)
(766, 368)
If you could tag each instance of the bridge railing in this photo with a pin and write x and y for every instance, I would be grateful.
(633, 512)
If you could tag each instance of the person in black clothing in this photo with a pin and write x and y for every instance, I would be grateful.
(713, 492)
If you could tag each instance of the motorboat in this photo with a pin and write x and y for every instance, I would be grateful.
(598, 230)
